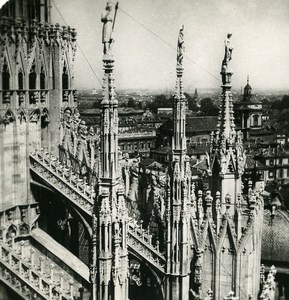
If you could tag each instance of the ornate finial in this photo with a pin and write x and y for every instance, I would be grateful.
(180, 48)
(247, 79)
(108, 21)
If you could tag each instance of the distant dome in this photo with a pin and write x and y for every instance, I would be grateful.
(275, 237)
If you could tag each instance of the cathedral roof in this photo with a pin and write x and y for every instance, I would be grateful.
(275, 242)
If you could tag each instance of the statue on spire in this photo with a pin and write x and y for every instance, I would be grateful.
(228, 52)
(108, 26)
(181, 47)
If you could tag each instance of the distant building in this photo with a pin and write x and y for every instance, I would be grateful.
(275, 163)
(165, 111)
(137, 129)
(249, 116)
(199, 129)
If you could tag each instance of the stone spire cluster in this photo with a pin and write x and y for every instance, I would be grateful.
(110, 256)
(226, 223)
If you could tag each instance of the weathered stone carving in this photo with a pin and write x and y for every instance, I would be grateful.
(108, 21)
(228, 53)
(180, 48)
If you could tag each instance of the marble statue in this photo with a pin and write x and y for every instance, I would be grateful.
(228, 52)
(108, 20)
(181, 47)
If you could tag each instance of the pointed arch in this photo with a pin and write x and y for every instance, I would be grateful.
(209, 257)
(20, 80)
(6, 75)
(227, 233)
(65, 76)
(7, 58)
(11, 232)
(21, 61)
(231, 163)
(43, 63)
(246, 235)
(24, 228)
(32, 56)
(34, 116)
(9, 117)
(42, 78)
(21, 115)
(32, 77)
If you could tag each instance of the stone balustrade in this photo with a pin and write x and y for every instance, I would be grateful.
(76, 190)
(51, 170)
(141, 241)
(30, 277)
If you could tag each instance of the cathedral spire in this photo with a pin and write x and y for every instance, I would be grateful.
(226, 155)
(179, 195)
(109, 103)
(179, 140)
(226, 126)
(109, 273)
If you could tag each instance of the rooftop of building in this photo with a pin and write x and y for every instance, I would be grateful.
(264, 131)
(273, 152)
(150, 163)
(252, 163)
(201, 124)
(198, 148)
(162, 150)
(121, 111)
(201, 165)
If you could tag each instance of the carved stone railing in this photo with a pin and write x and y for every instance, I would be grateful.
(141, 242)
(61, 178)
(31, 279)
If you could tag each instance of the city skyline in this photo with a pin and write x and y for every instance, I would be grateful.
(146, 35)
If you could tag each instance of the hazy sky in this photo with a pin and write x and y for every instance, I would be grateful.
(260, 38)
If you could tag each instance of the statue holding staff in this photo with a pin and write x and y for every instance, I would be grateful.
(228, 52)
(181, 47)
(108, 21)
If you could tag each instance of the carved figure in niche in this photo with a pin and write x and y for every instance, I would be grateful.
(21, 115)
(181, 47)
(44, 118)
(228, 52)
(108, 21)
